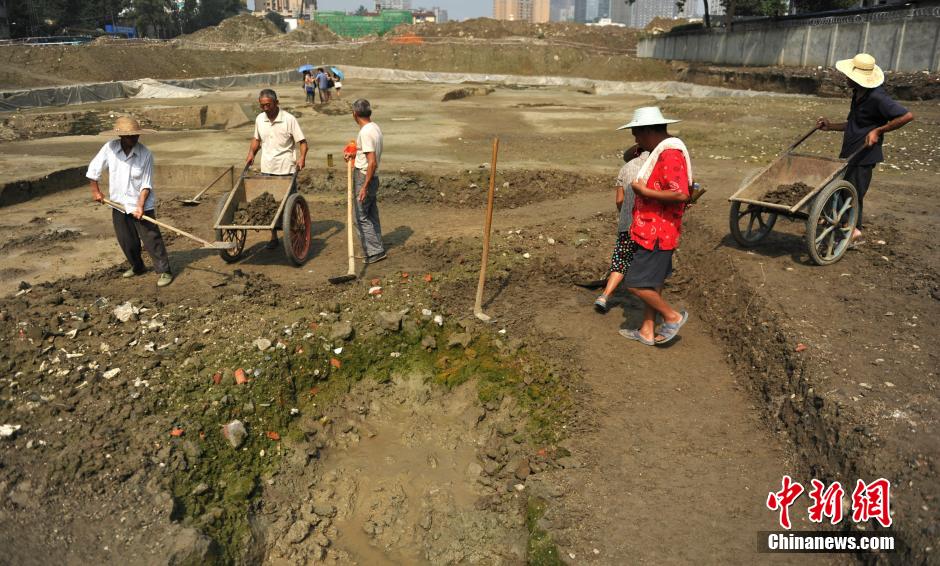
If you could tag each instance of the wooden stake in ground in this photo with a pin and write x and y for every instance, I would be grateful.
(488, 224)
(351, 273)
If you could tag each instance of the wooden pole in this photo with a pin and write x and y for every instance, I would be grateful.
(488, 224)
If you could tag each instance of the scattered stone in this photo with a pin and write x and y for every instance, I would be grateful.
(474, 469)
(522, 470)
(390, 321)
(429, 342)
(200, 489)
(111, 373)
(125, 312)
(462, 339)
(8, 430)
(375, 291)
(439, 320)
(298, 532)
(505, 428)
(324, 510)
(427, 314)
(569, 462)
(491, 467)
(235, 433)
(192, 547)
(342, 331)
(262, 344)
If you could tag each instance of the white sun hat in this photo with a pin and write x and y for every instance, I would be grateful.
(862, 70)
(647, 116)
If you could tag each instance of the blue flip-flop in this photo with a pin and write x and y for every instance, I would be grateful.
(670, 330)
(633, 334)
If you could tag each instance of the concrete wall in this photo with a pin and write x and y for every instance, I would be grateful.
(900, 41)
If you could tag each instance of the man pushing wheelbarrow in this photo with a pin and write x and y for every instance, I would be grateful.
(872, 113)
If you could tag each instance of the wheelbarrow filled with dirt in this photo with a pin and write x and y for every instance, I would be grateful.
(799, 186)
(265, 203)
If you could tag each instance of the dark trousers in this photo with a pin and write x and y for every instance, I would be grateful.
(860, 177)
(131, 232)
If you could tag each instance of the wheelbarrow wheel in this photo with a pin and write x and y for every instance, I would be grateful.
(750, 223)
(297, 228)
(237, 236)
(831, 221)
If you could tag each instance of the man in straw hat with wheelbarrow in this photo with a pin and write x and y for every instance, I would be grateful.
(871, 114)
(130, 179)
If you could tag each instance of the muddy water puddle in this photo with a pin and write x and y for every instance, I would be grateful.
(405, 483)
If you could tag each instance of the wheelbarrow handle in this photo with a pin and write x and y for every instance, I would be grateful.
(146, 218)
(804, 138)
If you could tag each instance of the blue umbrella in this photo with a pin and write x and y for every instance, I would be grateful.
(303, 68)
(338, 73)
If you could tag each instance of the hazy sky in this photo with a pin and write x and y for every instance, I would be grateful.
(456, 9)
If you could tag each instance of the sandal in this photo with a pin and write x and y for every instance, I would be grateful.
(635, 335)
(670, 330)
(600, 305)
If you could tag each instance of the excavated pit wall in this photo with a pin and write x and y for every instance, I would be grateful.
(829, 438)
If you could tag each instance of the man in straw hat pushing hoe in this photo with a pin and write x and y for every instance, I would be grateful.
(871, 115)
(130, 174)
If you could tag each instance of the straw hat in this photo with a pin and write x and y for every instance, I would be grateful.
(126, 126)
(647, 116)
(862, 70)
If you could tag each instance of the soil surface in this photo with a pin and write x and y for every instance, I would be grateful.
(381, 422)
(787, 194)
(259, 212)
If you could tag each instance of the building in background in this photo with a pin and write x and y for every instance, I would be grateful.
(642, 12)
(536, 11)
(592, 10)
(392, 5)
(287, 8)
(440, 14)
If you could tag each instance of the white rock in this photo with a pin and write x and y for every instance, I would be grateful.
(439, 320)
(111, 373)
(262, 344)
(427, 313)
(527, 255)
(8, 430)
(126, 312)
(338, 351)
(551, 241)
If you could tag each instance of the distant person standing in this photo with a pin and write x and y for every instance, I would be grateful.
(871, 114)
(338, 85)
(277, 135)
(310, 87)
(368, 156)
(130, 184)
(323, 83)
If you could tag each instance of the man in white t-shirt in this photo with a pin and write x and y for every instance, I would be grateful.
(368, 156)
(277, 134)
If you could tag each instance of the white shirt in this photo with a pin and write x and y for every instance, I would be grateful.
(128, 175)
(278, 139)
(369, 140)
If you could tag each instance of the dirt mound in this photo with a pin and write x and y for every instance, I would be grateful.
(459, 93)
(611, 37)
(46, 238)
(310, 32)
(665, 24)
(334, 108)
(258, 212)
(464, 189)
(788, 194)
(240, 29)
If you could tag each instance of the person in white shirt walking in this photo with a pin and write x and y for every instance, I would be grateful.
(277, 135)
(130, 178)
(368, 156)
